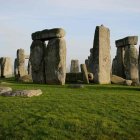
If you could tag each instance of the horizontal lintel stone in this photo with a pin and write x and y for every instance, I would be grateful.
(130, 40)
(48, 34)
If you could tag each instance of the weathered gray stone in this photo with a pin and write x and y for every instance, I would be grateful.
(87, 63)
(135, 83)
(29, 68)
(120, 81)
(130, 40)
(114, 66)
(118, 63)
(15, 68)
(25, 78)
(4, 90)
(48, 34)
(85, 73)
(131, 63)
(74, 66)
(37, 50)
(90, 76)
(21, 62)
(55, 61)
(128, 82)
(117, 80)
(6, 67)
(91, 50)
(101, 55)
(74, 77)
(23, 93)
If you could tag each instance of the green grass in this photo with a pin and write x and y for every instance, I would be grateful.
(95, 112)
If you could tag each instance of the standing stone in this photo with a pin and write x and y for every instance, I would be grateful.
(37, 61)
(119, 68)
(87, 64)
(6, 67)
(21, 62)
(101, 55)
(131, 63)
(85, 73)
(74, 66)
(29, 68)
(114, 65)
(120, 62)
(55, 61)
(91, 60)
(16, 68)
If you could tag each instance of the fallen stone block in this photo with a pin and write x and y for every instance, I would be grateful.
(23, 93)
(4, 90)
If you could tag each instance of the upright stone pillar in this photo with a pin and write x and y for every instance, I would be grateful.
(21, 62)
(16, 68)
(127, 58)
(87, 64)
(84, 73)
(48, 63)
(6, 67)
(37, 50)
(91, 60)
(131, 63)
(55, 61)
(120, 62)
(101, 55)
(29, 68)
(74, 66)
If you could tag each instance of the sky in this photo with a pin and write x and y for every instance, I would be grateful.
(79, 18)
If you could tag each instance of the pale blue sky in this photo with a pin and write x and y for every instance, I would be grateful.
(19, 18)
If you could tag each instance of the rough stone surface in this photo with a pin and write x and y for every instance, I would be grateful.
(15, 68)
(37, 61)
(131, 63)
(74, 66)
(6, 67)
(25, 78)
(135, 83)
(114, 66)
(55, 61)
(90, 76)
(119, 68)
(85, 73)
(4, 90)
(29, 68)
(48, 34)
(74, 77)
(23, 93)
(21, 62)
(87, 64)
(130, 40)
(117, 80)
(101, 55)
(128, 82)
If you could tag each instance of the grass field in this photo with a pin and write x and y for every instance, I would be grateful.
(95, 112)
